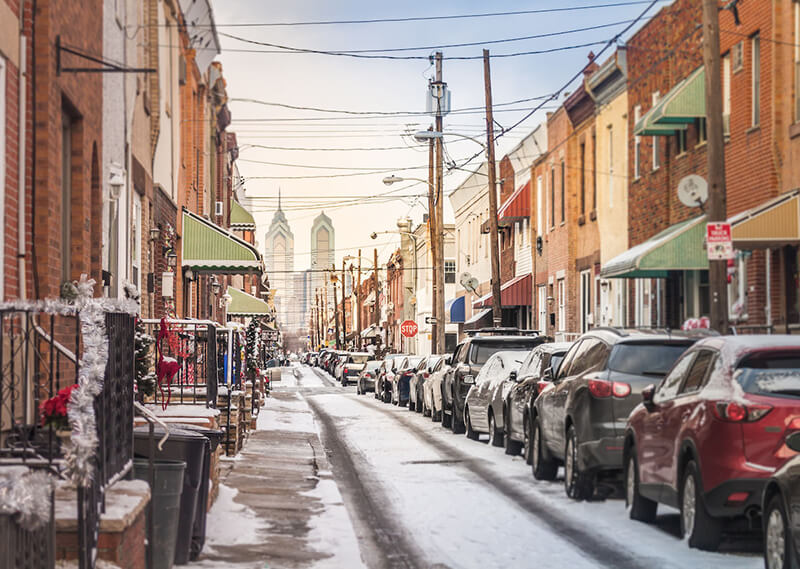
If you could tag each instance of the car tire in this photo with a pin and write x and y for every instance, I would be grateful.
(511, 447)
(469, 431)
(496, 437)
(456, 423)
(778, 550)
(542, 466)
(447, 420)
(700, 529)
(639, 508)
(526, 440)
(420, 406)
(358, 388)
(412, 406)
(578, 484)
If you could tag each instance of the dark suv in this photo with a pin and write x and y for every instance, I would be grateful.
(580, 419)
(467, 361)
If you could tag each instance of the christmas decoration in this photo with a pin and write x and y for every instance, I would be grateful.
(54, 410)
(27, 496)
(253, 347)
(166, 367)
(145, 379)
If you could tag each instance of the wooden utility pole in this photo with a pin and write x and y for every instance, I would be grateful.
(432, 241)
(344, 311)
(317, 329)
(325, 318)
(716, 207)
(335, 307)
(358, 303)
(438, 206)
(375, 315)
(497, 308)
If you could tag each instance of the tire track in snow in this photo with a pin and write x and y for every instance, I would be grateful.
(584, 540)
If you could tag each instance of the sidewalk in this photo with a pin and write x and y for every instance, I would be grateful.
(279, 506)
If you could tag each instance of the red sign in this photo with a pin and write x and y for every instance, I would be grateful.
(719, 241)
(409, 328)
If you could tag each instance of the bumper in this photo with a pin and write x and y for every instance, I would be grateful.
(717, 502)
(602, 454)
(367, 385)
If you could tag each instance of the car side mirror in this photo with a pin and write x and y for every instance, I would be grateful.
(468, 379)
(647, 395)
(793, 441)
(547, 374)
(513, 376)
(448, 360)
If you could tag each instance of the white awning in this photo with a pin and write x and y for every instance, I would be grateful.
(478, 316)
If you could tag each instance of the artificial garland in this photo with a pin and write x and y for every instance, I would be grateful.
(145, 379)
(253, 342)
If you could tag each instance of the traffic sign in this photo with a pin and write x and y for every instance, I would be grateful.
(430, 320)
(719, 241)
(409, 328)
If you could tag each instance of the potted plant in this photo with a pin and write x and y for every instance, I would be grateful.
(54, 412)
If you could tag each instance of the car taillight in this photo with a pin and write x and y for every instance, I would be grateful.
(736, 412)
(425, 374)
(542, 385)
(601, 388)
(367, 374)
(346, 370)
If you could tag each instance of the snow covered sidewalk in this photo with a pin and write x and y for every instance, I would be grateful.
(279, 506)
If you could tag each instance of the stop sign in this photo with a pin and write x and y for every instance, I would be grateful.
(409, 328)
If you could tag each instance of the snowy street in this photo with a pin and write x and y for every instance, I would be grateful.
(418, 496)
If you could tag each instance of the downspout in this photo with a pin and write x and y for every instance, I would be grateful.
(22, 126)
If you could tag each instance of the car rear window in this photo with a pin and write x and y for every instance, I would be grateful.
(359, 359)
(483, 351)
(770, 374)
(372, 364)
(645, 359)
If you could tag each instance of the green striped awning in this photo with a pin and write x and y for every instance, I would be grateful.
(241, 219)
(208, 247)
(243, 304)
(677, 248)
(685, 103)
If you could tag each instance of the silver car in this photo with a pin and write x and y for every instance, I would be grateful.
(432, 390)
(483, 407)
(418, 380)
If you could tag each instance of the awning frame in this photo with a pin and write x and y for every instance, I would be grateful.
(252, 264)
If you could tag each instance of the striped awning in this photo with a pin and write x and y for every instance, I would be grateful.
(241, 219)
(243, 304)
(684, 104)
(516, 292)
(518, 204)
(208, 247)
(772, 224)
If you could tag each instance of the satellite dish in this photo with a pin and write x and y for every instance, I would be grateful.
(472, 284)
(693, 191)
(466, 281)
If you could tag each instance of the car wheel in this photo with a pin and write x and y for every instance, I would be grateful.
(526, 440)
(639, 508)
(510, 446)
(412, 406)
(420, 405)
(542, 467)
(496, 437)
(358, 388)
(697, 526)
(456, 423)
(778, 550)
(470, 432)
(578, 484)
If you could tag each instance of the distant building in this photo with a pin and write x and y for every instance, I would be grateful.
(322, 252)
(279, 259)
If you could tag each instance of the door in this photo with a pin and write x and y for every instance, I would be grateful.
(518, 398)
(482, 392)
(554, 405)
(586, 300)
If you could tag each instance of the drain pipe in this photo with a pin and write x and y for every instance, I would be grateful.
(22, 106)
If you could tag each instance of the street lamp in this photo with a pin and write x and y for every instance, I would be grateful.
(427, 135)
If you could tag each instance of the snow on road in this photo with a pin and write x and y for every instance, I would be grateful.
(464, 504)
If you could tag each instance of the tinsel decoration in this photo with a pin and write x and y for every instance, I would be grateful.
(145, 379)
(253, 347)
(28, 496)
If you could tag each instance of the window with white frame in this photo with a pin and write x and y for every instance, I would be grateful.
(656, 141)
(642, 310)
(637, 145)
(738, 55)
(726, 94)
(541, 305)
(136, 242)
(737, 287)
(449, 271)
(562, 305)
(610, 166)
(756, 78)
(539, 206)
(586, 300)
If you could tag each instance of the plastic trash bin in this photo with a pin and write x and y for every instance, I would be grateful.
(199, 531)
(189, 447)
(166, 500)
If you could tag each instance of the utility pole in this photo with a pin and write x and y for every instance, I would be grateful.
(375, 315)
(344, 310)
(325, 318)
(358, 303)
(497, 308)
(432, 241)
(716, 207)
(335, 307)
(317, 331)
(438, 207)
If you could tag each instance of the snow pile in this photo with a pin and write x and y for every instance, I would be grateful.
(230, 523)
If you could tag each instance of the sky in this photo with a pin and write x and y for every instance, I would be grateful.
(299, 158)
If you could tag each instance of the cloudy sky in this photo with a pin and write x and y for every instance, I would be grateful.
(336, 161)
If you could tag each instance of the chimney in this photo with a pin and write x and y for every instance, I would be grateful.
(592, 66)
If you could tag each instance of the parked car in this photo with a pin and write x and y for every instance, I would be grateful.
(402, 379)
(432, 390)
(580, 420)
(780, 503)
(520, 395)
(386, 373)
(333, 361)
(338, 366)
(484, 400)
(468, 359)
(352, 366)
(710, 435)
(416, 385)
(366, 378)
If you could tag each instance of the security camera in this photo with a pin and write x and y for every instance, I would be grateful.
(373, 235)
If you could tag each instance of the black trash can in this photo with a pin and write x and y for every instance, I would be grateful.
(166, 501)
(191, 448)
(199, 532)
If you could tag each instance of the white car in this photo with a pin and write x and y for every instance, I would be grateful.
(483, 407)
(432, 390)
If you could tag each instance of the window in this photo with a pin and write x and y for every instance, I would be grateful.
(637, 145)
(449, 271)
(656, 146)
(643, 302)
(737, 288)
(567, 363)
(646, 358)
(66, 196)
(738, 53)
(680, 142)
(695, 379)
(670, 385)
(583, 180)
(136, 242)
(726, 95)
(592, 357)
(586, 300)
(702, 135)
(539, 206)
(563, 193)
(610, 166)
(541, 304)
(552, 196)
(562, 305)
(756, 79)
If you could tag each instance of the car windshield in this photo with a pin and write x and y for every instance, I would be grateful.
(483, 351)
(645, 359)
(359, 359)
(770, 374)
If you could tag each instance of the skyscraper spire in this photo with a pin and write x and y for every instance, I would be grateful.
(279, 199)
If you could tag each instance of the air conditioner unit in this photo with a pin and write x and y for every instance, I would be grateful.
(218, 209)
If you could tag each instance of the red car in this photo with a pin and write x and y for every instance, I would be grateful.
(710, 435)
